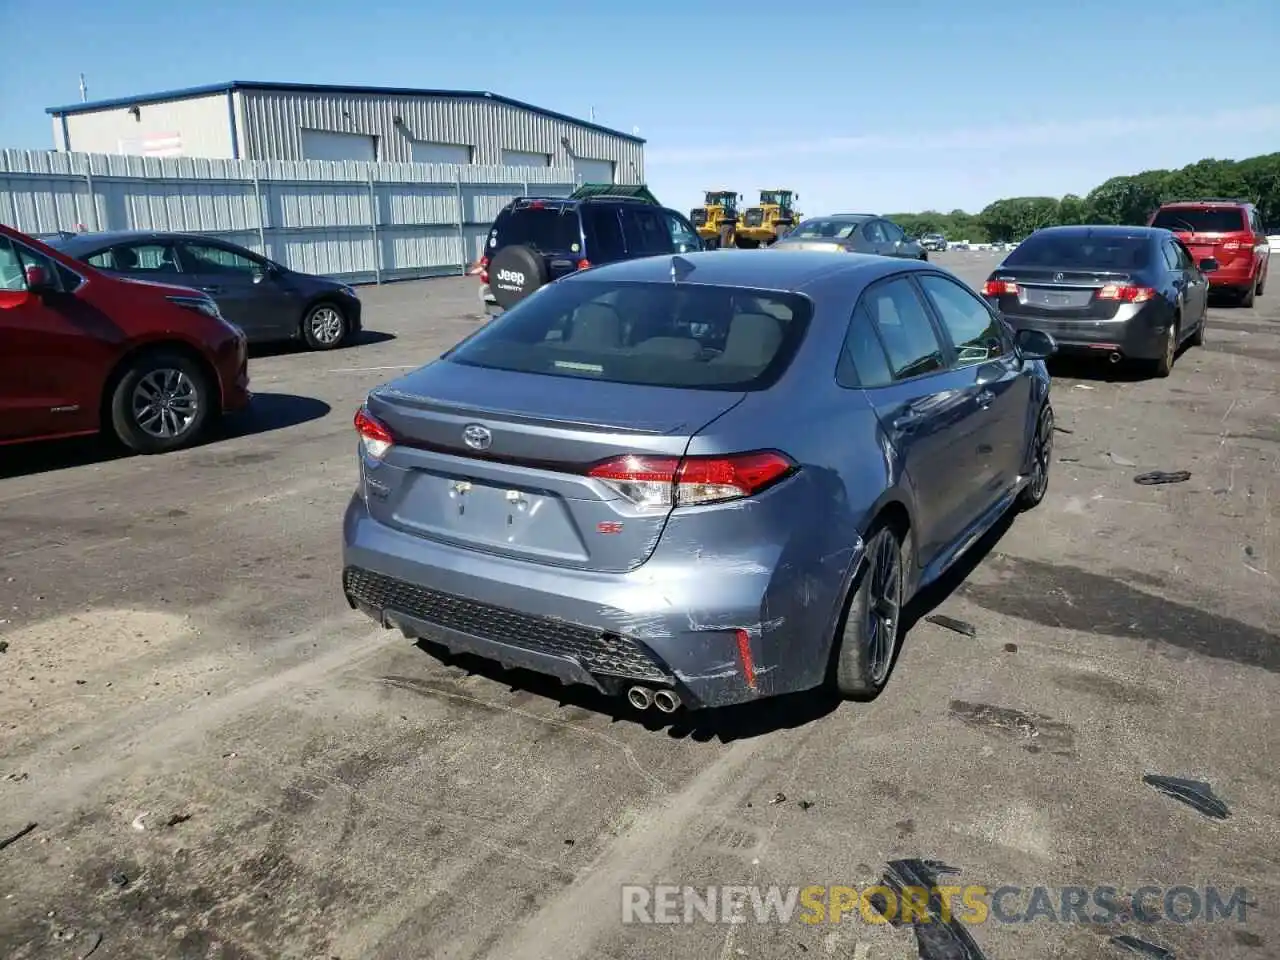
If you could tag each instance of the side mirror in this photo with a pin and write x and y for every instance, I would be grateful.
(1208, 265)
(1035, 344)
(38, 281)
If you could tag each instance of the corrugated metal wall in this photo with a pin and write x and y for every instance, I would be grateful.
(271, 125)
(359, 221)
(202, 124)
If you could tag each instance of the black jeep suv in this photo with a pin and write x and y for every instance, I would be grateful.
(536, 240)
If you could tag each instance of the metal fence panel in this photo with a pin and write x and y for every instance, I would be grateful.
(354, 220)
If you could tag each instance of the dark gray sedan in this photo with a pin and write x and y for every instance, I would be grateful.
(853, 233)
(266, 300)
(654, 477)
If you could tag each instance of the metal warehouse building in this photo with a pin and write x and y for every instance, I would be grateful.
(291, 121)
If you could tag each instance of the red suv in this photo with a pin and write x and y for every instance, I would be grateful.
(81, 351)
(1228, 231)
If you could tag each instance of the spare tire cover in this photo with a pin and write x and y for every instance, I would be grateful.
(514, 273)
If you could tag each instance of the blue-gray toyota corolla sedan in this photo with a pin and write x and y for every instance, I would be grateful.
(698, 480)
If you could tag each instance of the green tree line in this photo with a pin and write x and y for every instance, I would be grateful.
(1128, 199)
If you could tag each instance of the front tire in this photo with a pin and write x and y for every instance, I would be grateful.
(868, 640)
(1041, 458)
(161, 403)
(325, 326)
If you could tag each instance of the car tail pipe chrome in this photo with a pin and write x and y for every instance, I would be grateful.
(640, 697)
(1114, 356)
(668, 701)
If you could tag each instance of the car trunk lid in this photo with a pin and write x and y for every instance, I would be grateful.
(496, 461)
(1059, 294)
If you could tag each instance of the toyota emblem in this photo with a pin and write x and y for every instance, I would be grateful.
(1057, 278)
(477, 437)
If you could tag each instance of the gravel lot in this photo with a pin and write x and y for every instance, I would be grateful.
(222, 760)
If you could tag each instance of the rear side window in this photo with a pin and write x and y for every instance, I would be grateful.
(1201, 219)
(905, 329)
(157, 257)
(664, 335)
(604, 234)
(551, 229)
(864, 352)
(646, 231)
(1082, 251)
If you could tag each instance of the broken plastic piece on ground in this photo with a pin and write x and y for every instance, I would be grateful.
(118, 879)
(1162, 476)
(1010, 648)
(951, 623)
(15, 837)
(1061, 429)
(97, 942)
(1121, 461)
(1194, 793)
(941, 936)
(1141, 947)
(779, 798)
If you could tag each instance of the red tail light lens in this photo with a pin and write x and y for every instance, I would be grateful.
(996, 288)
(665, 482)
(484, 269)
(584, 264)
(1125, 294)
(376, 438)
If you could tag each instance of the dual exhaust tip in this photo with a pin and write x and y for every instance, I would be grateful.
(642, 698)
(1114, 357)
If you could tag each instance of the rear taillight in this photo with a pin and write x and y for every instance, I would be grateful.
(584, 264)
(667, 482)
(1126, 294)
(376, 438)
(484, 270)
(998, 288)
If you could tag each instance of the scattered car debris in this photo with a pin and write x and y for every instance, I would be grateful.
(941, 936)
(951, 623)
(15, 837)
(1120, 461)
(1194, 793)
(1010, 648)
(1083, 386)
(4, 645)
(176, 819)
(1057, 428)
(1162, 476)
(97, 942)
(1068, 459)
(779, 798)
(569, 841)
(137, 823)
(119, 880)
(1248, 550)
(1142, 947)
(806, 804)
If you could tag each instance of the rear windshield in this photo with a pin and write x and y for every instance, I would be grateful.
(1081, 250)
(827, 229)
(549, 229)
(1203, 220)
(653, 334)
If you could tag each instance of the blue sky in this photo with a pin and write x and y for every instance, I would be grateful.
(890, 106)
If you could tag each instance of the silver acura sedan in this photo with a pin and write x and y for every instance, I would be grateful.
(701, 479)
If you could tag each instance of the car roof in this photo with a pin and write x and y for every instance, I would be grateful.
(851, 217)
(1206, 203)
(79, 242)
(1115, 231)
(752, 269)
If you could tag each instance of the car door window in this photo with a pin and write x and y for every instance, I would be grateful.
(143, 258)
(892, 232)
(973, 328)
(1170, 252)
(1183, 257)
(12, 277)
(873, 232)
(645, 232)
(905, 329)
(683, 237)
(863, 362)
(208, 258)
(604, 234)
(62, 279)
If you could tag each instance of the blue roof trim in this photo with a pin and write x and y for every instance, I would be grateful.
(168, 96)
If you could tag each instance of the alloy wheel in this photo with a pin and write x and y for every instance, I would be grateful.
(884, 604)
(1041, 456)
(326, 325)
(165, 403)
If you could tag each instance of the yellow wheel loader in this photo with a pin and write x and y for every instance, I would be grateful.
(773, 219)
(717, 220)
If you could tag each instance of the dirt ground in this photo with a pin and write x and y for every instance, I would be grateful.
(222, 761)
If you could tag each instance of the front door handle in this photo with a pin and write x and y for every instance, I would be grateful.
(986, 398)
(907, 421)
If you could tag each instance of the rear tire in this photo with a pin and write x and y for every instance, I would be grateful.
(161, 403)
(1041, 457)
(1197, 338)
(870, 627)
(1247, 295)
(1262, 283)
(1164, 366)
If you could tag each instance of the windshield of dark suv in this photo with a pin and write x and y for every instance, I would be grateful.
(552, 228)
(1083, 250)
(652, 334)
(1201, 219)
